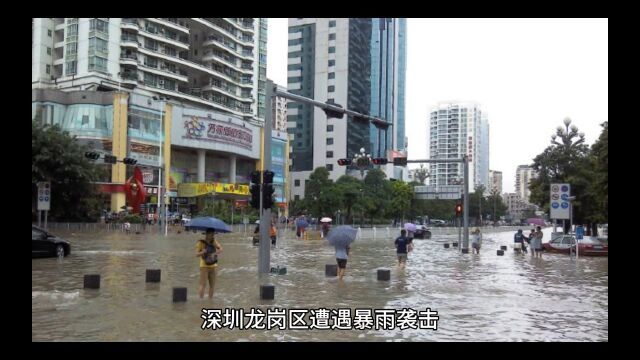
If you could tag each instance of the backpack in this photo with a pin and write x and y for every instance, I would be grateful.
(209, 257)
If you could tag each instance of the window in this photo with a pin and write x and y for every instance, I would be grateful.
(297, 182)
(97, 63)
(329, 128)
(332, 63)
(151, 62)
(329, 141)
(331, 88)
(299, 126)
(294, 67)
(99, 25)
(97, 44)
(195, 52)
(332, 75)
(297, 197)
(329, 154)
(331, 101)
(297, 41)
(48, 69)
(332, 36)
(332, 23)
(71, 67)
(49, 33)
(332, 49)
(72, 48)
(48, 51)
(330, 167)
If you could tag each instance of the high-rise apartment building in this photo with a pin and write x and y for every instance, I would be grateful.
(524, 174)
(495, 181)
(457, 129)
(357, 63)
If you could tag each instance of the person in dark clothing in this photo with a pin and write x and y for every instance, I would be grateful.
(401, 244)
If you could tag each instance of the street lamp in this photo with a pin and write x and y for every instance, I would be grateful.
(161, 194)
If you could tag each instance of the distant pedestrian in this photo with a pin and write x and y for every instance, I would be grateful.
(518, 240)
(530, 240)
(476, 241)
(326, 227)
(127, 227)
(273, 233)
(536, 243)
(342, 254)
(401, 244)
(409, 241)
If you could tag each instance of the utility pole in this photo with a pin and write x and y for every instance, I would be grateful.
(264, 261)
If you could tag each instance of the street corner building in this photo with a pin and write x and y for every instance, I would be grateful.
(185, 97)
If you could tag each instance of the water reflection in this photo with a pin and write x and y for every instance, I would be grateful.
(481, 297)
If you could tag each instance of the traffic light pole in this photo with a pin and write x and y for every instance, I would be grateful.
(465, 202)
(264, 260)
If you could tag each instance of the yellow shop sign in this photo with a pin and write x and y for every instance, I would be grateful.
(198, 189)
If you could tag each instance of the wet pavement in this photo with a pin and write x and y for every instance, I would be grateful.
(478, 297)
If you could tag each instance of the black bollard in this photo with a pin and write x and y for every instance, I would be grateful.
(455, 244)
(279, 270)
(384, 274)
(92, 281)
(331, 270)
(179, 294)
(446, 246)
(465, 251)
(500, 252)
(153, 275)
(503, 247)
(267, 292)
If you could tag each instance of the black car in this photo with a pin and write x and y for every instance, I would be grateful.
(44, 244)
(422, 232)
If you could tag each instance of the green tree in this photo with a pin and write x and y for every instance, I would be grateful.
(59, 158)
(421, 174)
(377, 191)
(402, 194)
(563, 161)
(497, 206)
(349, 190)
(319, 195)
(600, 184)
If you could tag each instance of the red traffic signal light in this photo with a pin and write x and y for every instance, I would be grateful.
(379, 161)
(344, 162)
(458, 209)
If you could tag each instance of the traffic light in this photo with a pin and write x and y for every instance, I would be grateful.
(255, 196)
(130, 161)
(379, 161)
(401, 161)
(267, 196)
(332, 113)
(92, 155)
(255, 177)
(268, 176)
(110, 159)
(344, 162)
(255, 190)
(458, 209)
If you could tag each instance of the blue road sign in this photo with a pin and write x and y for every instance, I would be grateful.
(555, 205)
(565, 188)
(565, 205)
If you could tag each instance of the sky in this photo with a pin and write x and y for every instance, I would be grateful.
(527, 74)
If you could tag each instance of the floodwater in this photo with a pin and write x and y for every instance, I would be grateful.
(477, 297)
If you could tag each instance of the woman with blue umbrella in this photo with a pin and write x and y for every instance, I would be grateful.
(341, 238)
(208, 250)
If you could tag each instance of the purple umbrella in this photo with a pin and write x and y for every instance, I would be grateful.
(410, 227)
(535, 221)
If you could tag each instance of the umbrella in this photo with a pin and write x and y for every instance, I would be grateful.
(302, 223)
(208, 223)
(342, 235)
(325, 219)
(410, 227)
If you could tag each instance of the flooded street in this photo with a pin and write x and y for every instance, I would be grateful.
(478, 297)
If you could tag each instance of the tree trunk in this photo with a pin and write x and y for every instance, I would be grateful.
(594, 228)
(589, 227)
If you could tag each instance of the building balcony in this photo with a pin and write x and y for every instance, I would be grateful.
(130, 42)
(163, 38)
(240, 24)
(210, 56)
(162, 71)
(130, 24)
(219, 42)
(170, 24)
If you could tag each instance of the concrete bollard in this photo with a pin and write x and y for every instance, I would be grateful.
(455, 244)
(384, 274)
(465, 251)
(503, 247)
(446, 246)
(374, 232)
(152, 275)
(267, 292)
(331, 270)
(179, 294)
(500, 252)
(388, 232)
(92, 281)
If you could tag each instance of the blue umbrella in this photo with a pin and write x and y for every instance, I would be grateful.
(342, 235)
(302, 223)
(208, 223)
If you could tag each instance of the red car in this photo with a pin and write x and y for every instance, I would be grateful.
(586, 246)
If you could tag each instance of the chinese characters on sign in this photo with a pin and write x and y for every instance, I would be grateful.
(319, 319)
(197, 129)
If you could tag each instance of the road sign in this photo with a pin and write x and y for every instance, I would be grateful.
(44, 195)
(438, 192)
(560, 201)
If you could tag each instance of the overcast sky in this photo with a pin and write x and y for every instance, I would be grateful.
(527, 74)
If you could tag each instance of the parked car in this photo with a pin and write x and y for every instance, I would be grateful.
(588, 246)
(422, 232)
(436, 222)
(45, 244)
